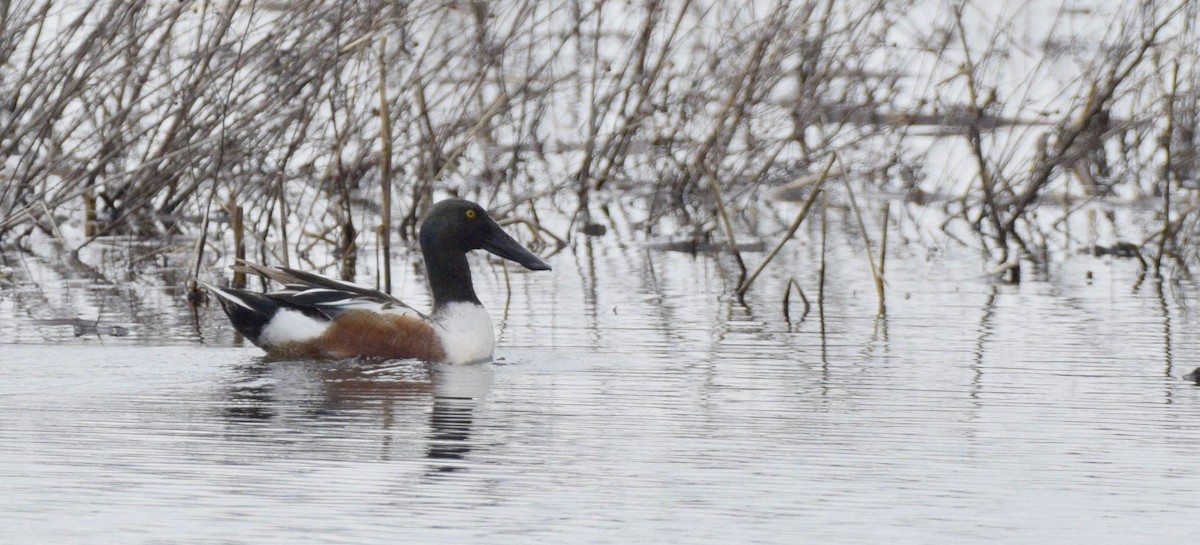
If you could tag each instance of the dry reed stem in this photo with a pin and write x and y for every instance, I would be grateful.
(862, 229)
(821, 268)
(1166, 176)
(812, 197)
(385, 169)
(883, 240)
(724, 219)
(239, 242)
(194, 294)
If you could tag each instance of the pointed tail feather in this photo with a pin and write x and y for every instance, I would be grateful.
(249, 312)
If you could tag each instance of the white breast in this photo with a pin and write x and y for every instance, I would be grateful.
(466, 332)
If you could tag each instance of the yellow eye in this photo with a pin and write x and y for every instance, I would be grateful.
(470, 214)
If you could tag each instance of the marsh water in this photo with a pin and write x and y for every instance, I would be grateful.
(631, 401)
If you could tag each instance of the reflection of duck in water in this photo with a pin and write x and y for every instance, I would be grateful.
(1193, 376)
(360, 388)
(355, 395)
(318, 317)
(458, 391)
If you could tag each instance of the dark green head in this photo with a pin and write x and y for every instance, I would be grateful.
(457, 226)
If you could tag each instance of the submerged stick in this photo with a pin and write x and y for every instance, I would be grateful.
(787, 294)
(812, 197)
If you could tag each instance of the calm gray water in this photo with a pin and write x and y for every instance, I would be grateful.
(631, 403)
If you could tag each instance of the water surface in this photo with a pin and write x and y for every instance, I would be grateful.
(633, 402)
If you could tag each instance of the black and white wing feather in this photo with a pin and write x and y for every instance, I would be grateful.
(328, 296)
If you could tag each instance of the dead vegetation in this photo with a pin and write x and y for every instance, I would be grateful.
(295, 131)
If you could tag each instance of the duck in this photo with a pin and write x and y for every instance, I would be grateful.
(315, 317)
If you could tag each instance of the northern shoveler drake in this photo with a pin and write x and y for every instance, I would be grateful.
(318, 317)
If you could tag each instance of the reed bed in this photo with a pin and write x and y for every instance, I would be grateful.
(301, 132)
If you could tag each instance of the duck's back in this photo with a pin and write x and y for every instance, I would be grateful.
(318, 317)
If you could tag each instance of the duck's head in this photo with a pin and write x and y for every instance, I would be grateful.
(459, 226)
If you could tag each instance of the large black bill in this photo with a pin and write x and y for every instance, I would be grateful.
(498, 242)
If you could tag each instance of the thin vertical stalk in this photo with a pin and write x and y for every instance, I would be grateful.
(821, 268)
(883, 237)
(385, 169)
(283, 219)
(862, 229)
(239, 241)
(1166, 192)
(195, 296)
